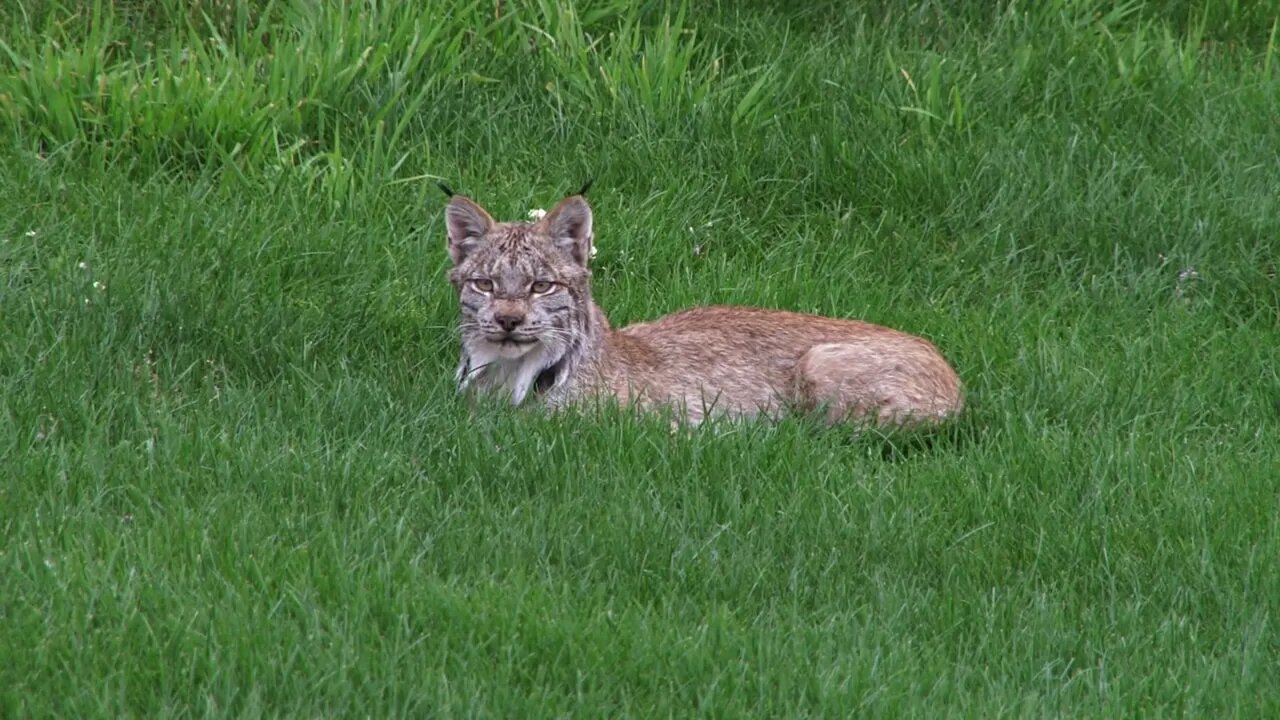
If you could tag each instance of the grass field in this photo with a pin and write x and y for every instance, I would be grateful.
(236, 481)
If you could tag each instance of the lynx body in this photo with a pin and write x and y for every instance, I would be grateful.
(531, 330)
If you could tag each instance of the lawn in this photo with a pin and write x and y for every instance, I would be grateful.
(236, 481)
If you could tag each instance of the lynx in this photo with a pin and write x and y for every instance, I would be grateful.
(530, 330)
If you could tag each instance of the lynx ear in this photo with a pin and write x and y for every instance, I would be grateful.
(467, 223)
(569, 225)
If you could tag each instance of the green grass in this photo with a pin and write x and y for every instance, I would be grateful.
(236, 480)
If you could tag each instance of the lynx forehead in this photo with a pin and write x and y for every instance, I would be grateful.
(530, 328)
(513, 253)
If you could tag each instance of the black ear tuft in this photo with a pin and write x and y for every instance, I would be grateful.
(448, 191)
(585, 186)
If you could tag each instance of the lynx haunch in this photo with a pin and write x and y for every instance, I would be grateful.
(530, 330)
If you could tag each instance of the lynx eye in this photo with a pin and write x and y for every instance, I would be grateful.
(482, 285)
(541, 287)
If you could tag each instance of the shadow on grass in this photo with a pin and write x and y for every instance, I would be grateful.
(502, 425)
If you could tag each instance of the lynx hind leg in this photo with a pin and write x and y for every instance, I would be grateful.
(891, 381)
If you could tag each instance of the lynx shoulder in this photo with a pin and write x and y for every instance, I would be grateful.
(531, 330)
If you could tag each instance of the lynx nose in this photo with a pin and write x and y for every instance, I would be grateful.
(508, 321)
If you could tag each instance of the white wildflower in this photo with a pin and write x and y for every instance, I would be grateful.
(99, 285)
(83, 265)
(1186, 280)
(31, 233)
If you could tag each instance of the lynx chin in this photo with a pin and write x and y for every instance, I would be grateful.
(531, 331)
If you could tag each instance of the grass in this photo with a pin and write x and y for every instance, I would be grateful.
(237, 481)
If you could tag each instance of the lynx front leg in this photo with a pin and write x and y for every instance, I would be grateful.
(894, 380)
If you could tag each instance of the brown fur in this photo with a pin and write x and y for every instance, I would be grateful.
(556, 345)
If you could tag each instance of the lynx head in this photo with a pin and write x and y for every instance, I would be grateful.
(523, 288)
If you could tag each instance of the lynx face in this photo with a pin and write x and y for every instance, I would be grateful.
(523, 290)
(517, 290)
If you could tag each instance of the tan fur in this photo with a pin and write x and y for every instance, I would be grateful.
(557, 345)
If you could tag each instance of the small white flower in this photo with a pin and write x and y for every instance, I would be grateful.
(593, 250)
(537, 214)
(1186, 280)
(83, 265)
(31, 233)
(99, 285)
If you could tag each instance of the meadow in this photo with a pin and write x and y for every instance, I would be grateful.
(236, 481)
